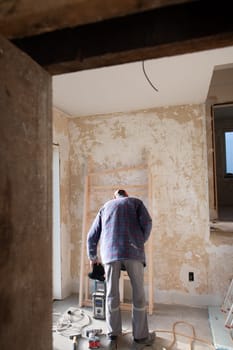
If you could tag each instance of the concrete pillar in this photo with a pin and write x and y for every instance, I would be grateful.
(25, 202)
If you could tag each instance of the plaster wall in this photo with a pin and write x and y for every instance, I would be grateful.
(172, 141)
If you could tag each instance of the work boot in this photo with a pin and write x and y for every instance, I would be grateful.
(139, 344)
(112, 342)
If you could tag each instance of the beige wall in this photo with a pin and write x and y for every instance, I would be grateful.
(173, 140)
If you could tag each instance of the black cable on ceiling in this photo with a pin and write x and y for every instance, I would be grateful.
(148, 79)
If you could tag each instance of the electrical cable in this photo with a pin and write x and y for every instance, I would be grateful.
(72, 322)
(148, 79)
(192, 338)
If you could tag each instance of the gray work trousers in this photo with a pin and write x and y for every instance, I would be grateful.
(135, 270)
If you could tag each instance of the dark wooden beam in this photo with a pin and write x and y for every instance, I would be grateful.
(178, 29)
(19, 19)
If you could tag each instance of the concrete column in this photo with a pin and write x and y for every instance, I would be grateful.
(25, 202)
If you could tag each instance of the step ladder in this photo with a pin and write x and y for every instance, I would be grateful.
(227, 306)
(229, 319)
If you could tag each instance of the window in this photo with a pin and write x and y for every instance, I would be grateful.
(229, 153)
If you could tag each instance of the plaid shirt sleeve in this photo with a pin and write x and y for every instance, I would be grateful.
(145, 221)
(93, 237)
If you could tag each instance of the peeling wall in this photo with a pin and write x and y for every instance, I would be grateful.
(173, 141)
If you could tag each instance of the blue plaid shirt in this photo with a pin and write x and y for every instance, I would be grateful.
(122, 226)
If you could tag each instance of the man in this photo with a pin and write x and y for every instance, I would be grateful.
(122, 226)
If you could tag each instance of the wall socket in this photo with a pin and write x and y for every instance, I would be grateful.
(191, 276)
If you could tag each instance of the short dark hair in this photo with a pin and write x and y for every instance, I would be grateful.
(121, 193)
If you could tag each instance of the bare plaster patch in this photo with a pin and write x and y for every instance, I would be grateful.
(188, 255)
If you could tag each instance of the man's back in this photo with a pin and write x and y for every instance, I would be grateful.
(125, 225)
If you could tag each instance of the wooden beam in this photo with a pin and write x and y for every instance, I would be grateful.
(27, 18)
(166, 31)
(83, 275)
(112, 187)
(117, 170)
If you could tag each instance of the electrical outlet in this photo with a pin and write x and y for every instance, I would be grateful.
(191, 276)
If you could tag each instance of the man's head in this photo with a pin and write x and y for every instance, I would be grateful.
(120, 193)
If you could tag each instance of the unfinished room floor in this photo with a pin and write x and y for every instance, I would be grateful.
(175, 327)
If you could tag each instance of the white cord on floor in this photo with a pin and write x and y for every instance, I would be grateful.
(72, 322)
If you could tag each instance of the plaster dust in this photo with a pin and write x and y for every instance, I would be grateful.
(172, 142)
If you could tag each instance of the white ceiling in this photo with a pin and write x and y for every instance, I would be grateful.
(182, 79)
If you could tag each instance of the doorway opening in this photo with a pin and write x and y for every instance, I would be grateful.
(223, 156)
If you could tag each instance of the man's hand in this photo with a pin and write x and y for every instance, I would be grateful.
(96, 261)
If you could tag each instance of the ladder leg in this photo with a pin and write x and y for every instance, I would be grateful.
(228, 299)
(229, 319)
